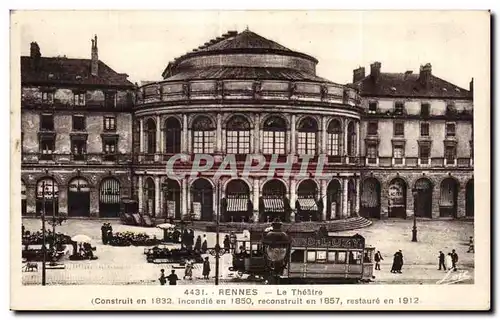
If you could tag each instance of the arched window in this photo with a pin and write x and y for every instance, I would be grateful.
(351, 139)
(203, 135)
(150, 136)
(334, 146)
(274, 136)
(308, 129)
(149, 196)
(172, 135)
(238, 135)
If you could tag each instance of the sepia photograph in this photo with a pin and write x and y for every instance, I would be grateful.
(249, 150)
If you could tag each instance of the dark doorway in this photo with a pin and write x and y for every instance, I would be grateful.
(47, 197)
(307, 207)
(397, 198)
(149, 197)
(78, 198)
(334, 200)
(423, 198)
(202, 206)
(370, 198)
(109, 198)
(448, 198)
(469, 199)
(172, 199)
(23, 199)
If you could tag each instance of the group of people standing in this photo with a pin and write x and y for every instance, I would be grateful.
(106, 232)
(448, 261)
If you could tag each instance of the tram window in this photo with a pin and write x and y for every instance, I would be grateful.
(320, 256)
(331, 256)
(341, 256)
(354, 257)
(297, 256)
(311, 256)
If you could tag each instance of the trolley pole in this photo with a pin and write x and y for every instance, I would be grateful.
(44, 249)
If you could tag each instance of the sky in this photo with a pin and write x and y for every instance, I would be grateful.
(141, 43)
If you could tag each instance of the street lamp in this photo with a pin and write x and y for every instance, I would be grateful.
(217, 251)
(276, 245)
(415, 201)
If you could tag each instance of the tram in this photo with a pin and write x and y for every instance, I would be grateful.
(313, 258)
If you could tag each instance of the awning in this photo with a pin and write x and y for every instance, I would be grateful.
(237, 204)
(274, 205)
(307, 204)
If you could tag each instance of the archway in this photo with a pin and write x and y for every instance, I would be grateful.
(370, 198)
(150, 136)
(397, 198)
(172, 199)
(78, 198)
(423, 198)
(274, 203)
(448, 198)
(109, 198)
(334, 142)
(23, 198)
(202, 206)
(306, 205)
(149, 197)
(352, 140)
(469, 199)
(334, 200)
(237, 205)
(47, 197)
(172, 136)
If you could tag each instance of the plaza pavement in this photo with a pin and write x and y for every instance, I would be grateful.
(127, 265)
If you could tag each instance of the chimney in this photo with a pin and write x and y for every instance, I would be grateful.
(425, 74)
(94, 61)
(471, 86)
(35, 55)
(358, 74)
(375, 70)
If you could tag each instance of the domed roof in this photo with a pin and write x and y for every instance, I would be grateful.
(244, 40)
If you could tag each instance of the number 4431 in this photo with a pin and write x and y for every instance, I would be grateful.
(194, 292)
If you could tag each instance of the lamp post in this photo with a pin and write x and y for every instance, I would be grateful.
(165, 200)
(276, 245)
(217, 251)
(415, 201)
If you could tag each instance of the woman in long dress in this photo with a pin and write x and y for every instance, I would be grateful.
(448, 262)
(188, 271)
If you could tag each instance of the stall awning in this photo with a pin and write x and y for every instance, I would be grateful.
(307, 204)
(274, 205)
(237, 204)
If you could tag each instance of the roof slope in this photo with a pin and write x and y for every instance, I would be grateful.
(409, 85)
(244, 40)
(69, 71)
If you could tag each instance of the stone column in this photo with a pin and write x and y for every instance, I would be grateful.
(293, 197)
(324, 186)
(256, 135)
(436, 195)
(218, 134)
(94, 201)
(184, 140)
(461, 202)
(162, 207)
(188, 197)
(31, 199)
(410, 202)
(141, 135)
(157, 212)
(358, 139)
(62, 200)
(345, 182)
(256, 185)
(141, 194)
(158, 135)
(358, 195)
(184, 197)
(293, 136)
(223, 139)
(346, 137)
(322, 147)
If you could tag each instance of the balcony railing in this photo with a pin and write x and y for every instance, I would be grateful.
(185, 92)
(68, 158)
(413, 162)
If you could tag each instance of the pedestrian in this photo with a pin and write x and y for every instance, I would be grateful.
(471, 245)
(378, 258)
(206, 268)
(401, 262)
(185, 238)
(191, 239)
(162, 278)
(197, 245)
(441, 261)
(227, 243)
(448, 261)
(188, 270)
(172, 278)
(204, 244)
(454, 259)
(397, 262)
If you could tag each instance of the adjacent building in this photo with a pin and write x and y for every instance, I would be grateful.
(395, 144)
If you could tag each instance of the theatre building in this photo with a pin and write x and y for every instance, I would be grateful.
(238, 94)
(76, 135)
(417, 143)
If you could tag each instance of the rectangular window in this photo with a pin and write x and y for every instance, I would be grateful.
(425, 153)
(109, 149)
(450, 154)
(109, 124)
(238, 142)
(424, 129)
(450, 129)
(307, 143)
(398, 154)
(47, 122)
(341, 257)
(273, 142)
(321, 256)
(425, 110)
(109, 99)
(78, 149)
(372, 107)
(47, 147)
(398, 108)
(311, 256)
(371, 153)
(78, 123)
(48, 97)
(203, 141)
(399, 129)
(372, 128)
(333, 146)
(331, 256)
(79, 98)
